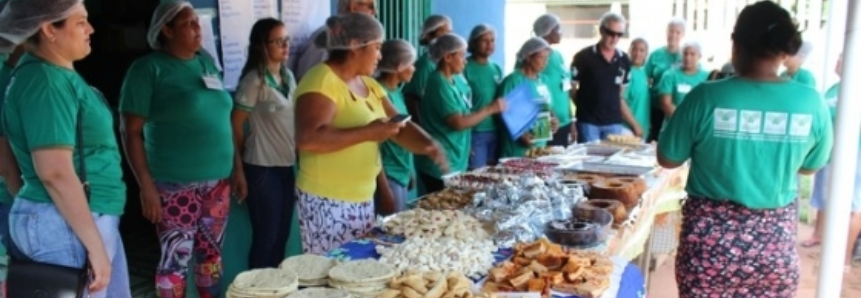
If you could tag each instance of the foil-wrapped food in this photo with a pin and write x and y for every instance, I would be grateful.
(520, 209)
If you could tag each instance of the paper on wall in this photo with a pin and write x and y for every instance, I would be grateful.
(237, 18)
(265, 9)
(206, 17)
(303, 17)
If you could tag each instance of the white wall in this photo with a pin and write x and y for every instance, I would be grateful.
(518, 28)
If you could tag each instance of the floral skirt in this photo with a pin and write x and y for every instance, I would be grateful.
(326, 224)
(728, 250)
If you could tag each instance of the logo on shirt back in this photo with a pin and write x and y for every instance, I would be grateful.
(761, 126)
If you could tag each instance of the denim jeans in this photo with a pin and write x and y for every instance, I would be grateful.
(42, 234)
(271, 201)
(484, 149)
(588, 133)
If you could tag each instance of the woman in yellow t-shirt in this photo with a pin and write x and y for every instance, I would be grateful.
(342, 116)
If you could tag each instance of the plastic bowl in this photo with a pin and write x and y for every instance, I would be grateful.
(586, 229)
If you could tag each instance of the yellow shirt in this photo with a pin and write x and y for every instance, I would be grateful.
(349, 174)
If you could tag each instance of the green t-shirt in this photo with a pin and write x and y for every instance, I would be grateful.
(187, 134)
(41, 112)
(802, 76)
(676, 83)
(443, 99)
(5, 76)
(397, 161)
(483, 80)
(638, 98)
(747, 140)
(418, 84)
(658, 63)
(512, 147)
(831, 96)
(557, 76)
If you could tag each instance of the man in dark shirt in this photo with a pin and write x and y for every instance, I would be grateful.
(599, 74)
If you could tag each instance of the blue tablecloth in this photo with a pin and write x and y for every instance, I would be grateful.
(630, 281)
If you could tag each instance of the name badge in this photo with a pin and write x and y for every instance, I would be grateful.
(213, 82)
(683, 88)
(619, 80)
(566, 86)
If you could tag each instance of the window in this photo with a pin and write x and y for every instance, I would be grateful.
(403, 18)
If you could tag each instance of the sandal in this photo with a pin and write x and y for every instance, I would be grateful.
(810, 243)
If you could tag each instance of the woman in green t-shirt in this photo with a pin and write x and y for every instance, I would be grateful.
(414, 90)
(531, 60)
(677, 82)
(557, 76)
(637, 94)
(394, 69)
(794, 71)
(483, 76)
(179, 144)
(746, 138)
(661, 60)
(446, 110)
(61, 132)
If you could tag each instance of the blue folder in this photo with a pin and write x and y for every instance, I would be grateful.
(522, 110)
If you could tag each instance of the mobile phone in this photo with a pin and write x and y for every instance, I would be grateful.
(400, 118)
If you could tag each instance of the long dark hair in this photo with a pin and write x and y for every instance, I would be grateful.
(258, 57)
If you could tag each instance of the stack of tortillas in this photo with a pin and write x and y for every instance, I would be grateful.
(313, 270)
(263, 283)
(364, 278)
(320, 293)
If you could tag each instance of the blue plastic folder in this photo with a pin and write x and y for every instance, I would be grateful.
(522, 110)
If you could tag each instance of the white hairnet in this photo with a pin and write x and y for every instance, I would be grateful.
(397, 54)
(342, 29)
(693, 45)
(545, 24)
(805, 50)
(531, 46)
(21, 19)
(476, 33)
(446, 44)
(480, 30)
(164, 13)
(432, 23)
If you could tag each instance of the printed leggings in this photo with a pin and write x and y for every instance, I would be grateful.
(194, 217)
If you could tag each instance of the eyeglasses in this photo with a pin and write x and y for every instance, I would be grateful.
(611, 33)
(284, 42)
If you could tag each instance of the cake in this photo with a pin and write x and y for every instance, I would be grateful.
(639, 183)
(615, 208)
(623, 192)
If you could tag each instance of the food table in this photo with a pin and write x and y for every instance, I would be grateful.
(627, 281)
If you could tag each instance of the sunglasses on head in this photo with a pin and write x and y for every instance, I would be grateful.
(608, 32)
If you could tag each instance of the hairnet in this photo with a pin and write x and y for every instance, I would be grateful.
(545, 24)
(21, 19)
(342, 29)
(531, 46)
(164, 13)
(432, 23)
(693, 45)
(397, 53)
(479, 30)
(446, 44)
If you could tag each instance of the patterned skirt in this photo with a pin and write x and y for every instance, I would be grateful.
(728, 250)
(326, 224)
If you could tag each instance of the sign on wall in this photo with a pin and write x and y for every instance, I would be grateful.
(303, 17)
(237, 17)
